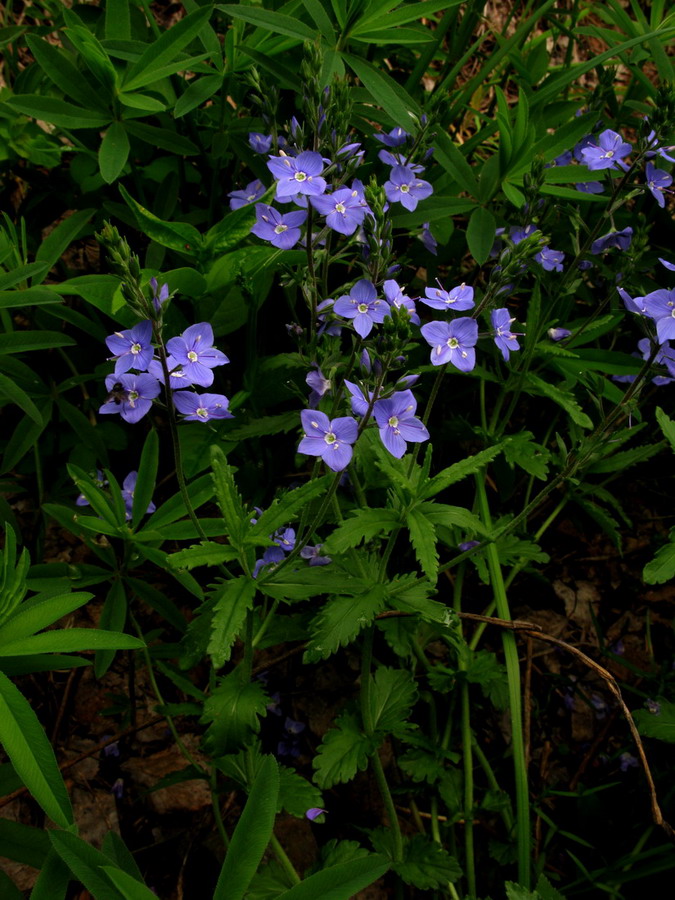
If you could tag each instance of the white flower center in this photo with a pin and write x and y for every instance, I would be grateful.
(136, 348)
(340, 207)
(405, 188)
(453, 343)
(202, 412)
(393, 421)
(132, 396)
(330, 438)
(362, 307)
(192, 356)
(279, 229)
(300, 176)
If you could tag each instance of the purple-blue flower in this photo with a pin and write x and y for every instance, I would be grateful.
(194, 351)
(363, 306)
(660, 306)
(201, 407)
(657, 182)
(621, 239)
(159, 294)
(550, 260)
(428, 239)
(99, 480)
(399, 159)
(628, 761)
(319, 384)
(133, 398)
(405, 187)
(359, 402)
(395, 138)
(314, 813)
(344, 209)
(395, 297)
(607, 153)
(131, 349)
(128, 488)
(178, 377)
(452, 342)
(261, 143)
(590, 187)
(298, 174)
(313, 554)
(664, 262)
(655, 150)
(558, 334)
(518, 234)
(330, 439)
(252, 192)
(633, 304)
(504, 338)
(396, 420)
(282, 231)
(459, 298)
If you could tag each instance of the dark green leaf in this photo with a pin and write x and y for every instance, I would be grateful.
(86, 864)
(363, 525)
(113, 618)
(23, 843)
(236, 518)
(392, 696)
(480, 234)
(205, 553)
(662, 567)
(113, 152)
(233, 600)
(9, 389)
(164, 138)
(270, 20)
(179, 236)
(199, 90)
(386, 92)
(61, 237)
(423, 539)
(426, 865)
(340, 882)
(459, 470)
(147, 475)
(667, 426)
(58, 112)
(285, 508)
(233, 711)
(343, 752)
(53, 880)
(341, 619)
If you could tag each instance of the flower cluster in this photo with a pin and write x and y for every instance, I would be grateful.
(138, 376)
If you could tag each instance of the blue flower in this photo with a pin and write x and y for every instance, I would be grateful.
(159, 294)
(313, 554)
(657, 182)
(406, 188)
(194, 351)
(504, 338)
(395, 138)
(131, 349)
(660, 306)
(314, 813)
(319, 384)
(252, 192)
(128, 488)
(395, 297)
(344, 209)
(363, 306)
(201, 407)
(550, 260)
(298, 175)
(558, 334)
(282, 231)
(261, 143)
(133, 398)
(620, 239)
(607, 153)
(452, 342)
(396, 420)
(428, 239)
(330, 439)
(458, 298)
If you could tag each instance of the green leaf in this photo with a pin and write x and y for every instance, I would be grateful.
(34, 270)
(33, 296)
(252, 834)
(31, 754)
(199, 91)
(341, 619)
(518, 892)
(128, 886)
(165, 49)
(16, 395)
(67, 640)
(565, 399)
(86, 864)
(58, 112)
(236, 517)
(270, 20)
(57, 65)
(423, 539)
(205, 553)
(113, 618)
(286, 507)
(147, 476)
(459, 471)
(113, 152)
(117, 20)
(340, 882)
(309, 581)
(179, 236)
(363, 525)
(321, 19)
(667, 426)
(23, 843)
(8, 889)
(480, 234)
(225, 235)
(343, 752)
(296, 794)
(659, 725)
(546, 889)
(392, 696)
(662, 567)
(233, 711)
(386, 92)
(233, 600)
(199, 491)
(453, 161)
(40, 613)
(521, 450)
(116, 850)
(426, 865)
(53, 880)
(164, 138)
(61, 237)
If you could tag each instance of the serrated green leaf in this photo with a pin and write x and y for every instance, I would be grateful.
(310, 581)
(460, 470)
(363, 525)
(227, 495)
(667, 426)
(565, 399)
(426, 865)
(232, 601)
(205, 553)
(521, 450)
(662, 567)
(343, 752)
(25, 743)
(341, 619)
(546, 890)
(296, 794)
(233, 714)
(392, 696)
(423, 539)
(285, 508)
(252, 834)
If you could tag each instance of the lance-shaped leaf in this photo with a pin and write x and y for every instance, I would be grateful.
(147, 475)
(272, 21)
(58, 66)
(128, 886)
(285, 508)
(31, 754)
(423, 538)
(67, 640)
(58, 112)
(179, 236)
(205, 553)
(341, 881)
(252, 834)
(113, 152)
(233, 600)
(458, 471)
(40, 613)
(86, 863)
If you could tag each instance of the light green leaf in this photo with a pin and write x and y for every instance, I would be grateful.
(33, 296)
(205, 553)
(31, 754)
(659, 725)
(271, 20)
(113, 152)
(667, 426)
(252, 834)
(662, 567)
(41, 613)
(128, 886)
(34, 270)
(363, 525)
(386, 92)
(423, 539)
(68, 640)
(233, 600)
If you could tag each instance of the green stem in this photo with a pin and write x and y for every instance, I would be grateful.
(283, 860)
(515, 699)
(467, 757)
(378, 770)
(483, 762)
(215, 803)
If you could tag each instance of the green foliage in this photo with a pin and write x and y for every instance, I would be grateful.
(660, 724)
(425, 865)
(233, 713)
(343, 752)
